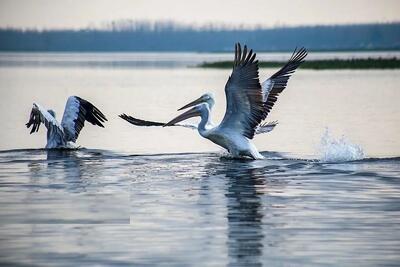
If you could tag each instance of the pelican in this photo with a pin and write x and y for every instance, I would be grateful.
(64, 135)
(248, 103)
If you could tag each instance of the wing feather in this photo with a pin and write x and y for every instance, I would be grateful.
(244, 98)
(266, 127)
(40, 115)
(273, 86)
(140, 122)
(77, 111)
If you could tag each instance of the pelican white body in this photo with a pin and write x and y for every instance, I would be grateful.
(236, 144)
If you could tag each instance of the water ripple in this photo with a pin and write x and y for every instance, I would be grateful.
(93, 207)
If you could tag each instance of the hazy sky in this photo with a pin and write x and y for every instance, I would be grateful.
(81, 13)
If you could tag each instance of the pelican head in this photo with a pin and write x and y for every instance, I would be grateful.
(197, 110)
(206, 98)
(52, 113)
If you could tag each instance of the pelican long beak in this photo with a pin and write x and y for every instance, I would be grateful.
(193, 103)
(186, 115)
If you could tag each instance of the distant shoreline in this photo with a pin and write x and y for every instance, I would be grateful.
(290, 51)
(146, 36)
(369, 63)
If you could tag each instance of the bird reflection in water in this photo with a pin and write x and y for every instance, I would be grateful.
(245, 185)
(66, 168)
(245, 233)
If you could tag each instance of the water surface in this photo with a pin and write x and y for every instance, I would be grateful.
(96, 207)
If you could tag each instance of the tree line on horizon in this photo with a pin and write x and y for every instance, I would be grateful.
(168, 36)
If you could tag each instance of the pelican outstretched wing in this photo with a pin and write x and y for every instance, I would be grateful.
(40, 115)
(139, 122)
(244, 98)
(77, 111)
(273, 86)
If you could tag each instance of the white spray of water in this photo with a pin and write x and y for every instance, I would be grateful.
(338, 150)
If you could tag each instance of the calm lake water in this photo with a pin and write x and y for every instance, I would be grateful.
(327, 194)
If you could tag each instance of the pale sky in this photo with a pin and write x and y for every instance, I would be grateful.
(82, 13)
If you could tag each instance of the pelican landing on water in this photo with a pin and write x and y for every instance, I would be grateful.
(248, 105)
(64, 135)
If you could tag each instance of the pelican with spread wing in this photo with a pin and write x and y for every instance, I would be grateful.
(64, 135)
(248, 103)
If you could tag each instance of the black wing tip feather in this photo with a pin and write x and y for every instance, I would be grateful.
(299, 55)
(34, 121)
(90, 113)
(295, 60)
(244, 57)
(139, 122)
(281, 77)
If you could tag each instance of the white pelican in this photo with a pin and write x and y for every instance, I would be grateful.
(248, 103)
(64, 135)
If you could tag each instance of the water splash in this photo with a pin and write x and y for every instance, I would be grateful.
(338, 150)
